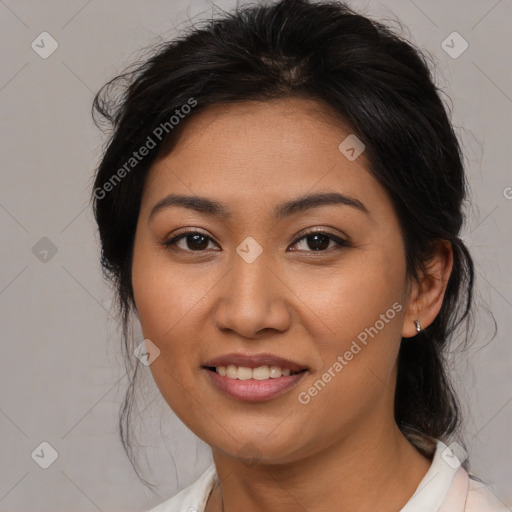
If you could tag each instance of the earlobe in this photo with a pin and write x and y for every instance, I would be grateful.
(427, 292)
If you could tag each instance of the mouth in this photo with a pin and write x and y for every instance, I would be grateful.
(253, 378)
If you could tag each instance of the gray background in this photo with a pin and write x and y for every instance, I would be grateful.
(61, 368)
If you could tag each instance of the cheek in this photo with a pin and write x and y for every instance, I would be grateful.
(350, 297)
(165, 299)
(162, 302)
(359, 309)
(164, 293)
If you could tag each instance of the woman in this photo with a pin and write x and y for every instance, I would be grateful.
(280, 205)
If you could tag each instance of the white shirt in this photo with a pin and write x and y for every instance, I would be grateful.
(446, 487)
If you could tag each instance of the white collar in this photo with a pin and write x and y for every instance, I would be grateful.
(433, 488)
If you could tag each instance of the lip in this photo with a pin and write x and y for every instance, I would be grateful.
(254, 361)
(253, 390)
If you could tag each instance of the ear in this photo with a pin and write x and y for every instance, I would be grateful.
(426, 294)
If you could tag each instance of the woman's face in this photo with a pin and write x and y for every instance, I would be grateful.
(252, 279)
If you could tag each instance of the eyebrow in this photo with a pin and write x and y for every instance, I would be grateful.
(210, 207)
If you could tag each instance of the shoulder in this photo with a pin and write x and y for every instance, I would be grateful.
(481, 498)
(469, 494)
(193, 498)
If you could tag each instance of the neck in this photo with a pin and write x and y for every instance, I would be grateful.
(380, 467)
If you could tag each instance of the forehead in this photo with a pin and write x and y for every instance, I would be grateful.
(278, 126)
(269, 150)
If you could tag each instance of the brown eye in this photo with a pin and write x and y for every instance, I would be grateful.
(193, 241)
(320, 242)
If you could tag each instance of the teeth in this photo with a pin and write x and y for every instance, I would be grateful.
(260, 373)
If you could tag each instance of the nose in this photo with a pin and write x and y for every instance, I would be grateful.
(252, 300)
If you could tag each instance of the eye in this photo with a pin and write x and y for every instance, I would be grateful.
(316, 241)
(320, 241)
(194, 241)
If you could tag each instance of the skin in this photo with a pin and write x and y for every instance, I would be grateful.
(342, 450)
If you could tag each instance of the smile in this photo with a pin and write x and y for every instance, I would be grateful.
(259, 373)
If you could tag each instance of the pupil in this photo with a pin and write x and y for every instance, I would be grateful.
(198, 245)
(324, 242)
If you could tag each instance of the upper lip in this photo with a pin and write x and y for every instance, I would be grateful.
(254, 361)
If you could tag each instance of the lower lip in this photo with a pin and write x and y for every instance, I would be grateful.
(252, 390)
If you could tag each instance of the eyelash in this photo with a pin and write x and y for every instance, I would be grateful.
(339, 241)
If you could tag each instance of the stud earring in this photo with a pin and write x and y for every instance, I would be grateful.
(418, 325)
